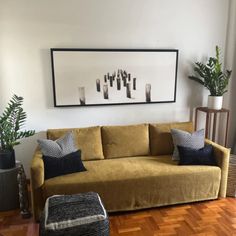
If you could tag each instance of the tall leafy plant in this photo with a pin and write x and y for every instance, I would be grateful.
(211, 76)
(11, 122)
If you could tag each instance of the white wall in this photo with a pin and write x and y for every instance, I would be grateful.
(29, 28)
(230, 63)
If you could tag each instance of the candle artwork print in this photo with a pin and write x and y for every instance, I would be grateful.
(87, 77)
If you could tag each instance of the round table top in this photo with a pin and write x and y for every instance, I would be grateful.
(18, 164)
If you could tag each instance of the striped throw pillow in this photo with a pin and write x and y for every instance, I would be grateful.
(190, 140)
(58, 148)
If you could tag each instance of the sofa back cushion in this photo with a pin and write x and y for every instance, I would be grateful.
(88, 140)
(161, 142)
(125, 141)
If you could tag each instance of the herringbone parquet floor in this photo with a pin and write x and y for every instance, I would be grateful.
(208, 218)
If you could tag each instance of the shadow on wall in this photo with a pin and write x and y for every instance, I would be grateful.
(25, 151)
(196, 91)
(47, 76)
(232, 131)
(2, 92)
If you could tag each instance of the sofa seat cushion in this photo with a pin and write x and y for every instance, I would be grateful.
(139, 182)
(125, 141)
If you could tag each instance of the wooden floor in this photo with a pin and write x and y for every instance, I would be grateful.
(216, 217)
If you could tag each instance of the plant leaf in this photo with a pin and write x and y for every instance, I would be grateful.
(11, 121)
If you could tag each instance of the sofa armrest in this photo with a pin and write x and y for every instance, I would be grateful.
(222, 155)
(37, 182)
(37, 170)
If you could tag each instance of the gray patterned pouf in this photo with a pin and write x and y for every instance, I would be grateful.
(74, 215)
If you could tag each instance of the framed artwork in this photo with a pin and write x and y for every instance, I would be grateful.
(86, 77)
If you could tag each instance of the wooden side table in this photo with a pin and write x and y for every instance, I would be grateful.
(208, 128)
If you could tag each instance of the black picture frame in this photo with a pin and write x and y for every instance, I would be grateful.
(58, 67)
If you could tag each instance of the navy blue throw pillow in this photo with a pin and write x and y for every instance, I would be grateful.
(202, 156)
(56, 166)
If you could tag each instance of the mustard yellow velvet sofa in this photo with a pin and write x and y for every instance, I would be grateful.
(131, 168)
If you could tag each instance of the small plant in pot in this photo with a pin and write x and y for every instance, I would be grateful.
(11, 122)
(211, 76)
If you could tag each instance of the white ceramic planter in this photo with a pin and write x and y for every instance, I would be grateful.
(215, 102)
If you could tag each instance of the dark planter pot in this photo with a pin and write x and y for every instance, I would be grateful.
(7, 159)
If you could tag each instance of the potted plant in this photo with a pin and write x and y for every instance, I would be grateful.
(11, 121)
(211, 76)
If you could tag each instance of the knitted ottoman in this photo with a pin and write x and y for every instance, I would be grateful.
(74, 215)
